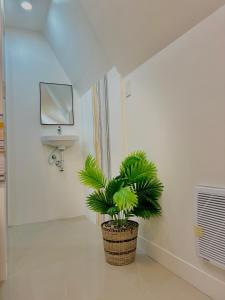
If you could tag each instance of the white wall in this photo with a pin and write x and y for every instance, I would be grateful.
(177, 114)
(37, 191)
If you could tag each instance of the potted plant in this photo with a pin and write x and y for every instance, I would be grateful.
(134, 192)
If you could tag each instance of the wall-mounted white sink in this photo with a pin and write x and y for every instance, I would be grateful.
(59, 141)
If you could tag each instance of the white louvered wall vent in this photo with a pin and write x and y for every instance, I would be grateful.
(210, 224)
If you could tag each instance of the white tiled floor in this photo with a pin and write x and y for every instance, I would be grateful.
(64, 260)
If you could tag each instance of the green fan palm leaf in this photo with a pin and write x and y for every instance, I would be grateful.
(148, 210)
(136, 167)
(133, 158)
(148, 192)
(125, 199)
(97, 202)
(92, 175)
(112, 187)
(148, 189)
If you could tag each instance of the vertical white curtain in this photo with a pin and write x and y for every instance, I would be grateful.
(100, 102)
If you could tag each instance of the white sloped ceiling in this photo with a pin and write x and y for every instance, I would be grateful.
(90, 36)
(131, 31)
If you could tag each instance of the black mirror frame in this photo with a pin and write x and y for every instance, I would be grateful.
(70, 85)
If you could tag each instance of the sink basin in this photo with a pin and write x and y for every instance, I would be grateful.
(59, 141)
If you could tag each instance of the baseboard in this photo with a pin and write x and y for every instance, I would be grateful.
(203, 281)
(80, 217)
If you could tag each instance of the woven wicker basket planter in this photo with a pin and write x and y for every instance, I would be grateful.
(120, 243)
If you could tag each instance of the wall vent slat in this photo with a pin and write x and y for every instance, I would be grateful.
(210, 218)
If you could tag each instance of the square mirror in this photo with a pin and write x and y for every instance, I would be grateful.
(56, 104)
